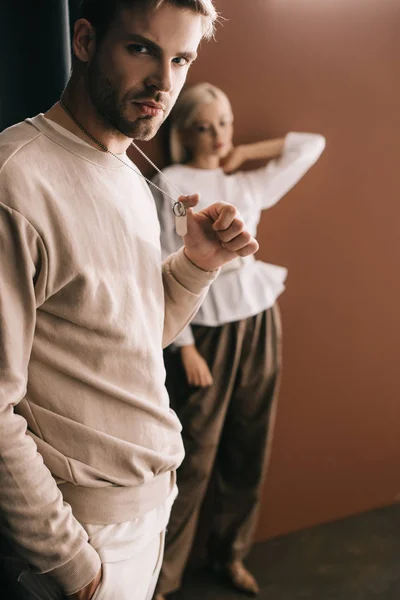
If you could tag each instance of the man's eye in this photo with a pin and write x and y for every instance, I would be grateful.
(138, 49)
(181, 61)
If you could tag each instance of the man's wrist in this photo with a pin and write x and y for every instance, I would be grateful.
(197, 263)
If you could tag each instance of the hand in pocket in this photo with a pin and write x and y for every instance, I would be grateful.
(89, 591)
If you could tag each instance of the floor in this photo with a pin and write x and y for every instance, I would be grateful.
(354, 559)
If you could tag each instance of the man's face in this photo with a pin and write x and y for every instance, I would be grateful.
(138, 70)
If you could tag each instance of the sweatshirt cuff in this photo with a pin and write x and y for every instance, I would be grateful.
(78, 572)
(188, 275)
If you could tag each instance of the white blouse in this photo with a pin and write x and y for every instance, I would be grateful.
(247, 286)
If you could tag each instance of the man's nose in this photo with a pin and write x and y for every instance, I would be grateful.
(161, 78)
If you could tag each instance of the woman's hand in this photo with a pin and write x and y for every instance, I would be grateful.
(234, 160)
(87, 592)
(196, 368)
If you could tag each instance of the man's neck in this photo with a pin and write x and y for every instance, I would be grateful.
(81, 108)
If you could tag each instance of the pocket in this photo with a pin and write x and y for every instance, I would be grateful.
(157, 568)
(112, 585)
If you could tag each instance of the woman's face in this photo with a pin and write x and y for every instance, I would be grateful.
(211, 131)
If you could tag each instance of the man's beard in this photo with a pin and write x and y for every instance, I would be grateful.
(104, 95)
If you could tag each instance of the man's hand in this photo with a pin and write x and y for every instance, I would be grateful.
(87, 592)
(196, 368)
(216, 235)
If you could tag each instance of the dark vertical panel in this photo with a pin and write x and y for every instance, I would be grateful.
(73, 6)
(34, 56)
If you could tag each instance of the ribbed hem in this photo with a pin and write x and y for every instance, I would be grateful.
(115, 504)
(78, 572)
(188, 275)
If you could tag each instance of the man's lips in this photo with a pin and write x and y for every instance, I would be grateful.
(149, 107)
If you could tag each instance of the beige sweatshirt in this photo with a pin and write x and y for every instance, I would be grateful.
(85, 308)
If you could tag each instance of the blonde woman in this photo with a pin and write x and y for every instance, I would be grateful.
(223, 370)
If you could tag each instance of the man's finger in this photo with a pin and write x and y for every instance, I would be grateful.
(189, 201)
(225, 218)
(240, 241)
(251, 248)
(235, 228)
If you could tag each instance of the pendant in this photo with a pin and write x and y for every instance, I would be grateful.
(179, 211)
(181, 225)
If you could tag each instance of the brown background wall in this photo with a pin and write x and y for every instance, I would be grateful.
(328, 66)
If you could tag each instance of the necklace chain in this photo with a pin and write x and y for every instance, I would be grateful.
(178, 207)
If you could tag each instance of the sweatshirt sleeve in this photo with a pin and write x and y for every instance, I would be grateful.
(34, 516)
(185, 286)
(270, 183)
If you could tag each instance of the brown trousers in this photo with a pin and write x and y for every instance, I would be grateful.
(225, 429)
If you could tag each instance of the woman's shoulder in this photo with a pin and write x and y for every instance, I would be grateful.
(172, 170)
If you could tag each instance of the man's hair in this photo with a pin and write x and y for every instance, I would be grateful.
(101, 13)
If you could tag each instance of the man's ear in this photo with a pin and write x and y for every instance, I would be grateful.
(84, 40)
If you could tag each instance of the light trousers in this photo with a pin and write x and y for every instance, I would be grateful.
(131, 554)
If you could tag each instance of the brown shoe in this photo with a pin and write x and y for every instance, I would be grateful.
(240, 578)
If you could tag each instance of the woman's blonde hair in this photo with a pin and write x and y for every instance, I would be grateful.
(184, 113)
